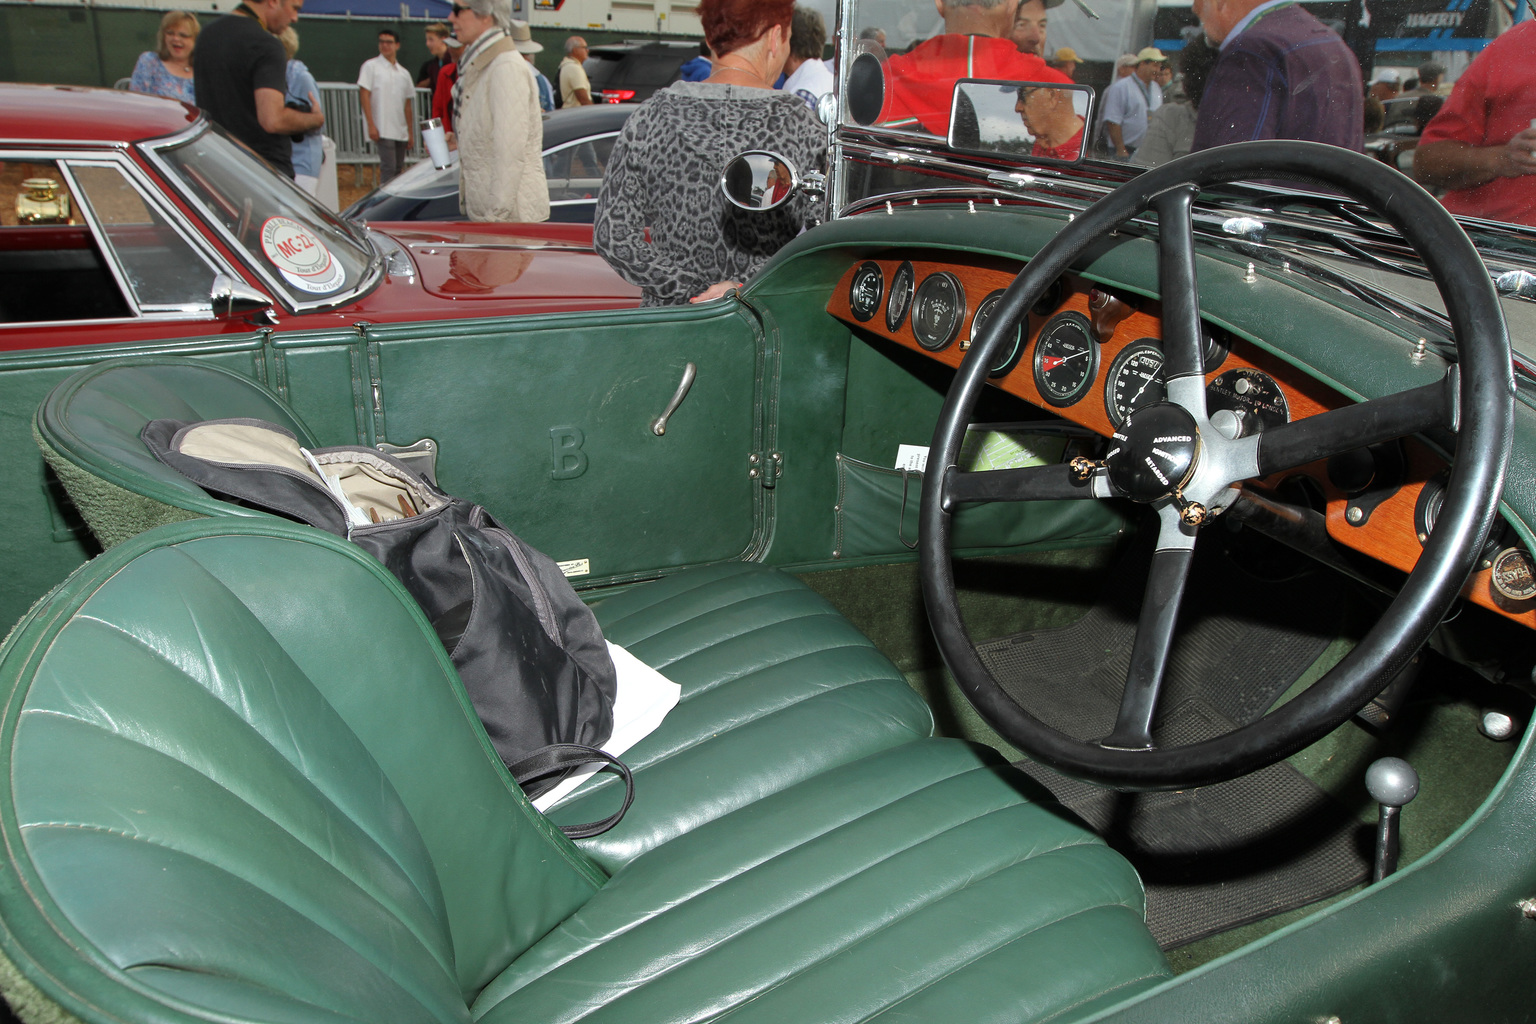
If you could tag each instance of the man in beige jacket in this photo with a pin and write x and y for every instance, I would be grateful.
(497, 122)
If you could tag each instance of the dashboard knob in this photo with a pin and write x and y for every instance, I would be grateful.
(1228, 423)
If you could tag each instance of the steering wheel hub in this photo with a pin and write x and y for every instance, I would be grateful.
(1154, 453)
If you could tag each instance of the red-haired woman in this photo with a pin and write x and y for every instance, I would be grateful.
(664, 173)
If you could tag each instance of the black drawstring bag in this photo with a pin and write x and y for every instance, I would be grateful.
(530, 653)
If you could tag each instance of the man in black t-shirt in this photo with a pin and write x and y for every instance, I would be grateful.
(241, 77)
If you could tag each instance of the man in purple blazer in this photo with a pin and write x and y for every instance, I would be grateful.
(1282, 74)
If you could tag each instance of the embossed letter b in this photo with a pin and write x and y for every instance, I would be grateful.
(569, 460)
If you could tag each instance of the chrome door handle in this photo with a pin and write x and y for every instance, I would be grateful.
(659, 424)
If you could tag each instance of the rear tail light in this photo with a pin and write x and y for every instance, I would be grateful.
(618, 95)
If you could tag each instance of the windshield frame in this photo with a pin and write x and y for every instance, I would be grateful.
(316, 217)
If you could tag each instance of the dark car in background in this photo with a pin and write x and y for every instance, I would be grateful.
(577, 143)
(629, 72)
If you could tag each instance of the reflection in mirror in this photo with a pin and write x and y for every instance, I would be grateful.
(1039, 120)
(758, 180)
(864, 92)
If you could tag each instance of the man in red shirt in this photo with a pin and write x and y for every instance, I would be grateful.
(921, 83)
(1049, 116)
(1482, 144)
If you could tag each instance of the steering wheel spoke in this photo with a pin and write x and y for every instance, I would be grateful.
(1184, 365)
(1357, 426)
(1030, 483)
(1154, 634)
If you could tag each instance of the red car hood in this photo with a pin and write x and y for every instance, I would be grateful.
(466, 262)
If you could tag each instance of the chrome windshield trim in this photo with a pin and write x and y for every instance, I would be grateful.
(372, 276)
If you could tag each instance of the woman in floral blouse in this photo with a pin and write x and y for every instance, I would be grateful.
(169, 71)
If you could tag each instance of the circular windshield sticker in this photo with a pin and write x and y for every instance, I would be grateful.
(299, 256)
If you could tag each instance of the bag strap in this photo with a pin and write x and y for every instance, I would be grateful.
(559, 757)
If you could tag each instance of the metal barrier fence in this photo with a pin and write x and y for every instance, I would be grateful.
(345, 125)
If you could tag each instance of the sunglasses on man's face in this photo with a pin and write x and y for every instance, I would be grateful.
(460, 9)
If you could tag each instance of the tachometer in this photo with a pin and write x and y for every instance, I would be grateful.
(1066, 359)
(1012, 346)
(866, 290)
(901, 297)
(938, 310)
(1135, 380)
(1242, 402)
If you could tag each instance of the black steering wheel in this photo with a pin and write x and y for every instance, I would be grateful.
(1169, 456)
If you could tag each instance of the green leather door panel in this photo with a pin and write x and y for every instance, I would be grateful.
(547, 421)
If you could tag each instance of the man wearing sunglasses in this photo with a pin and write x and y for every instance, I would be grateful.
(497, 123)
(241, 79)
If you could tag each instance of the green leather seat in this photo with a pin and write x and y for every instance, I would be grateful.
(245, 784)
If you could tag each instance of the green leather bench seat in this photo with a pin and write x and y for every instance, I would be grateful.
(245, 784)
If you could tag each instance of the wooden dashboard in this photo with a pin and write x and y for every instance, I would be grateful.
(1089, 355)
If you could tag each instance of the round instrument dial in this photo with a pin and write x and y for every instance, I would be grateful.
(1242, 402)
(1066, 359)
(1135, 380)
(866, 290)
(1011, 347)
(938, 311)
(901, 297)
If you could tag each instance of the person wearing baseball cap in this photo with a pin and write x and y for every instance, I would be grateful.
(1127, 103)
(1066, 61)
(1028, 32)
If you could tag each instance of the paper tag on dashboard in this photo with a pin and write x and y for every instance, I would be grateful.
(912, 457)
(576, 567)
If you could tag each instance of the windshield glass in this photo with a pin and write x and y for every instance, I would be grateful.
(1448, 95)
(300, 249)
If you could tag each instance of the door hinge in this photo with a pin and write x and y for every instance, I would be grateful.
(765, 467)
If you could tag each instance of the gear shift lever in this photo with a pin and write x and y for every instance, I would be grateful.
(1392, 783)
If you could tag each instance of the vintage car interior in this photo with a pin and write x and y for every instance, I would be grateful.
(1096, 595)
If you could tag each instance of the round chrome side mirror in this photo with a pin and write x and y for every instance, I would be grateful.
(762, 180)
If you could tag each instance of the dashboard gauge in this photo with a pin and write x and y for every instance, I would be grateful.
(1242, 402)
(901, 297)
(1427, 509)
(1011, 347)
(1066, 359)
(938, 310)
(1135, 380)
(1049, 299)
(1217, 345)
(866, 290)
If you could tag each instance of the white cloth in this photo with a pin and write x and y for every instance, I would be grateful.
(642, 700)
(390, 87)
(501, 136)
(1127, 102)
(811, 81)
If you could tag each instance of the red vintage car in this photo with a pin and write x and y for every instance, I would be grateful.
(127, 218)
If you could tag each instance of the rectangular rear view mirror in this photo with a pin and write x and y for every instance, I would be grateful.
(1024, 120)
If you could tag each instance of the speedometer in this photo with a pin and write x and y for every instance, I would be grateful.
(1135, 380)
(1066, 359)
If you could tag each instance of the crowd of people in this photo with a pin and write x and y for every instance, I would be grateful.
(1259, 69)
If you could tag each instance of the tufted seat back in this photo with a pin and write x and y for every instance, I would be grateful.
(264, 794)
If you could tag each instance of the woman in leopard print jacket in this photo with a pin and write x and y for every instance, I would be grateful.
(664, 174)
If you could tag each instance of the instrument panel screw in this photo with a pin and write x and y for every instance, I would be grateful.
(1418, 350)
(1355, 514)
(1528, 908)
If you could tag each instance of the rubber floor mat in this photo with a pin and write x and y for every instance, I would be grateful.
(1223, 855)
